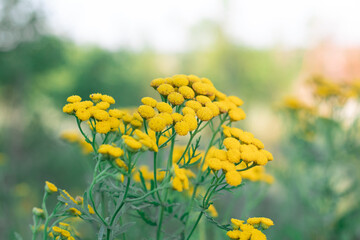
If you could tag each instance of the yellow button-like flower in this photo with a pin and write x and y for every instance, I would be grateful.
(234, 234)
(103, 105)
(149, 101)
(214, 109)
(108, 99)
(175, 98)
(91, 209)
(212, 211)
(146, 111)
(73, 99)
(114, 123)
(193, 104)
(236, 132)
(231, 143)
(237, 101)
(83, 114)
(50, 188)
(157, 124)
(65, 233)
(258, 143)
(191, 121)
(116, 113)
(193, 79)
(187, 92)
(214, 163)
(177, 184)
(111, 150)
(233, 178)
(180, 80)
(136, 123)
(127, 118)
(219, 95)
(266, 223)
(121, 164)
(233, 155)
(177, 117)
(95, 96)
(167, 117)
(223, 107)
(237, 114)
(202, 99)
(237, 223)
(188, 110)
(182, 128)
(103, 127)
(267, 154)
(56, 230)
(163, 107)
(101, 115)
(246, 137)
(165, 89)
(157, 82)
(68, 108)
(204, 114)
(201, 88)
(220, 154)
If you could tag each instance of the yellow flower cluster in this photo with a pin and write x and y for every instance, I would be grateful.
(63, 231)
(180, 181)
(201, 99)
(100, 117)
(111, 151)
(249, 230)
(242, 149)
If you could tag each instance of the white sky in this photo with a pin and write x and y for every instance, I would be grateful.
(166, 24)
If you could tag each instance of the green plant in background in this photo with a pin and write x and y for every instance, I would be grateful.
(321, 176)
(169, 200)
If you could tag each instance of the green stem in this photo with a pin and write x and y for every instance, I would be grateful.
(195, 225)
(43, 205)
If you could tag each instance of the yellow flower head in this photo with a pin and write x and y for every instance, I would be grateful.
(167, 117)
(235, 234)
(149, 101)
(108, 99)
(186, 92)
(191, 121)
(103, 105)
(188, 110)
(231, 143)
(212, 211)
(165, 89)
(50, 188)
(246, 137)
(233, 155)
(110, 150)
(193, 104)
(175, 98)
(267, 154)
(91, 209)
(83, 114)
(182, 128)
(132, 144)
(56, 230)
(38, 212)
(157, 82)
(237, 114)
(233, 178)
(163, 107)
(237, 101)
(114, 123)
(101, 115)
(223, 107)
(146, 111)
(116, 113)
(214, 163)
(193, 79)
(177, 117)
(258, 143)
(65, 233)
(73, 99)
(204, 114)
(201, 88)
(157, 124)
(180, 80)
(237, 223)
(103, 127)
(95, 97)
(214, 109)
(74, 211)
(68, 108)
(121, 164)
(202, 99)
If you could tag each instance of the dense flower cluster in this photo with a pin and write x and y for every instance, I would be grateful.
(122, 141)
(249, 230)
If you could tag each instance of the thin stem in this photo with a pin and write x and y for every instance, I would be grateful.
(46, 214)
(195, 225)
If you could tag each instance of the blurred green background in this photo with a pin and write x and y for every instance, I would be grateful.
(39, 70)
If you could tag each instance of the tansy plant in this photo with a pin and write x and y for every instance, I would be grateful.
(141, 177)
